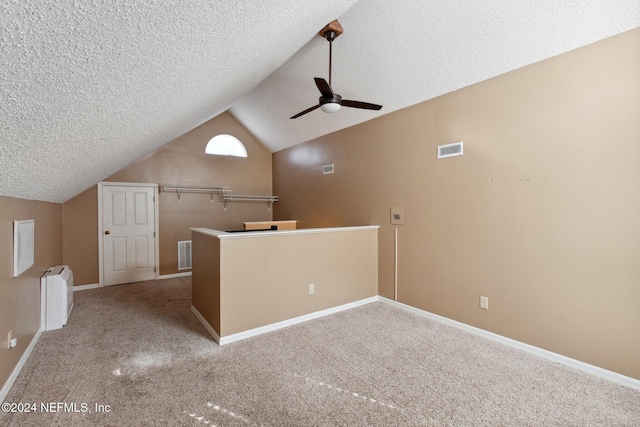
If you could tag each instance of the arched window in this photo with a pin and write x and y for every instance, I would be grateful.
(226, 145)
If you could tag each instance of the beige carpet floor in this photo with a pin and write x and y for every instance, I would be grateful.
(138, 349)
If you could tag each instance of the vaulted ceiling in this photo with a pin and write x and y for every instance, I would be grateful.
(89, 86)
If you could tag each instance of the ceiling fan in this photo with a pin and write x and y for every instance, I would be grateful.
(330, 102)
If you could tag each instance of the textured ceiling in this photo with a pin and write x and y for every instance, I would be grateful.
(401, 53)
(89, 86)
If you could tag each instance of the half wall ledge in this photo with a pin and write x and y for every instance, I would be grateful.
(254, 282)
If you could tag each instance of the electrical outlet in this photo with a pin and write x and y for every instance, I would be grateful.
(312, 289)
(484, 303)
(9, 338)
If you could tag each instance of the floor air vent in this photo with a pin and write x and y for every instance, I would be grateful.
(184, 255)
(450, 150)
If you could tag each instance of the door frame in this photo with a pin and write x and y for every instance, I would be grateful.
(156, 229)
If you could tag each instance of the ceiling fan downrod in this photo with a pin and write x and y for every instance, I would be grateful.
(330, 36)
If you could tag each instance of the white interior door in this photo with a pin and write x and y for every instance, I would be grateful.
(128, 227)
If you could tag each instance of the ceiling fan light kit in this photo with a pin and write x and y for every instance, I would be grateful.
(331, 102)
(331, 105)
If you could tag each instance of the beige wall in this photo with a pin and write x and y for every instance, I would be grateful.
(205, 288)
(80, 236)
(540, 214)
(182, 161)
(264, 279)
(20, 296)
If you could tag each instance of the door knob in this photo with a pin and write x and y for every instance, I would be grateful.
(107, 232)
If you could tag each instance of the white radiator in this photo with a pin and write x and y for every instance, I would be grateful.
(56, 286)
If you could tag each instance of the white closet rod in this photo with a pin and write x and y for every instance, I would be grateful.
(245, 198)
(242, 198)
(189, 189)
(179, 189)
(222, 190)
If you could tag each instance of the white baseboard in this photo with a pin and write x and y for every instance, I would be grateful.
(85, 287)
(294, 321)
(546, 354)
(279, 325)
(12, 378)
(98, 285)
(173, 276)
(206, 324)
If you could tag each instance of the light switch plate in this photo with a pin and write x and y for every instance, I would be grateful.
(397, 216)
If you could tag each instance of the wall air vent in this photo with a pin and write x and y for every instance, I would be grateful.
(327, 169)
(184, 255)
(450, 150)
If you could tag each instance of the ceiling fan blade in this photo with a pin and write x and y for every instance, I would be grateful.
(302, 113)
(359, 104)
(324, 87)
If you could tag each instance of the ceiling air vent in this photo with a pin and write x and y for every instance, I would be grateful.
(450, 150)
(327, 169)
